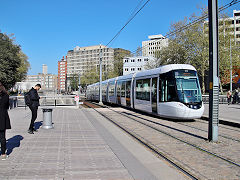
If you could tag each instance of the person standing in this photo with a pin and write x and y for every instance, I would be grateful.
(229, 97)
(4, 119)
(34, 98)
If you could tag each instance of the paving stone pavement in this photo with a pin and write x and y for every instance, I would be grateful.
(74, 149)
(226, 112)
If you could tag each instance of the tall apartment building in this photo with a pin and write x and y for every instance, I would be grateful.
(155, 43)
(83, 59)
(62, 74)
(135, 64)
(229, 25)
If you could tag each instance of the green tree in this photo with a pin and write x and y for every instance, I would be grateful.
(13, 62)
(119, 54)
(74, 82)
(90, 77)
(191, 46)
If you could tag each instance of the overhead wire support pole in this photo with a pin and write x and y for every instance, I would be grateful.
(100, 76)
(213, 71)
(79, 83)
(230, 66)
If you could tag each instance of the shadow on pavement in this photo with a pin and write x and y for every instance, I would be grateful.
(13, 142)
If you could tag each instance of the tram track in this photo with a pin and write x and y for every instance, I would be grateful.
(224, 136)
(179, 139)
(151, 146)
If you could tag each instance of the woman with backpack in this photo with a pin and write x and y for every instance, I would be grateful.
(4, 119)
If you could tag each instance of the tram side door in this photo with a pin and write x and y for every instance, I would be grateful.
(154, 94)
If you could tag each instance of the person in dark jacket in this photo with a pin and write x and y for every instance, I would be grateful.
(4, 119)
(34, 106)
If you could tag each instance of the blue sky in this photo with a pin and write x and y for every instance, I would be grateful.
(47, 29)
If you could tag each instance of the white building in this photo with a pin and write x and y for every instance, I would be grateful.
(135, 64)
(156, 43)
(83, 59)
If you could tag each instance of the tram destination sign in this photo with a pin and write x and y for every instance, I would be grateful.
(185, 73)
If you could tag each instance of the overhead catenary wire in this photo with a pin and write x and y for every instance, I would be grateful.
(131, 18)
(200, 19)
(131, 15)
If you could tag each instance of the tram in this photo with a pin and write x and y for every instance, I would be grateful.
(170, 91)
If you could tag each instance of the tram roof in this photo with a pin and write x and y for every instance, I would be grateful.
(164, 69)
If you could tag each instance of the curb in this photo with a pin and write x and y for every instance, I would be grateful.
(224, 121)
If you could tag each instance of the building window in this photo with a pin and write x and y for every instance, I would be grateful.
(237, 14)
(139, 60)
(146, 59)
(139, 69)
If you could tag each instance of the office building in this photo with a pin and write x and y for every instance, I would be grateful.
(155, 43)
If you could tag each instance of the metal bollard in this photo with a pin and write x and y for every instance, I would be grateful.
(47, 118)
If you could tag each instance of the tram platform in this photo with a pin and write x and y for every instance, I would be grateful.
(227, 113)
(82, 145)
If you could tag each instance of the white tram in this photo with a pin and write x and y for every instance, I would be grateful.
(171, 91)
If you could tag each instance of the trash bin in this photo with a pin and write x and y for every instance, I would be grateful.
(47, 118)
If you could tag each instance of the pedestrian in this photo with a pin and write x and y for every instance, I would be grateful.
(229, 97)
(4, 119)
(235, 97)
(34, 98)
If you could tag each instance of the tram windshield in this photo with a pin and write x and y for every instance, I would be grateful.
(188, 88)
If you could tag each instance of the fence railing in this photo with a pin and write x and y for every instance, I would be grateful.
(68, 100)
(63, 100)
(222, 99)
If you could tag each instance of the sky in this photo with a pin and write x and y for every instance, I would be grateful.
(47, 29)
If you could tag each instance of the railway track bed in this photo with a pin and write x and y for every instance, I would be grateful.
(183, 144)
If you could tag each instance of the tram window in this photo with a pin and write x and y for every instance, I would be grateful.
(171, 93)
(119, 84)
(111, 89)
(139, 89)
(128, 89)
(161, 90)
(143, 89)
(123, 89)
(167, 88)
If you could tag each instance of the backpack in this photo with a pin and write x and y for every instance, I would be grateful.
(27, 99)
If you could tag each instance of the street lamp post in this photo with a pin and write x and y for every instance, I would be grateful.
(100, 80)
(79, 81)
